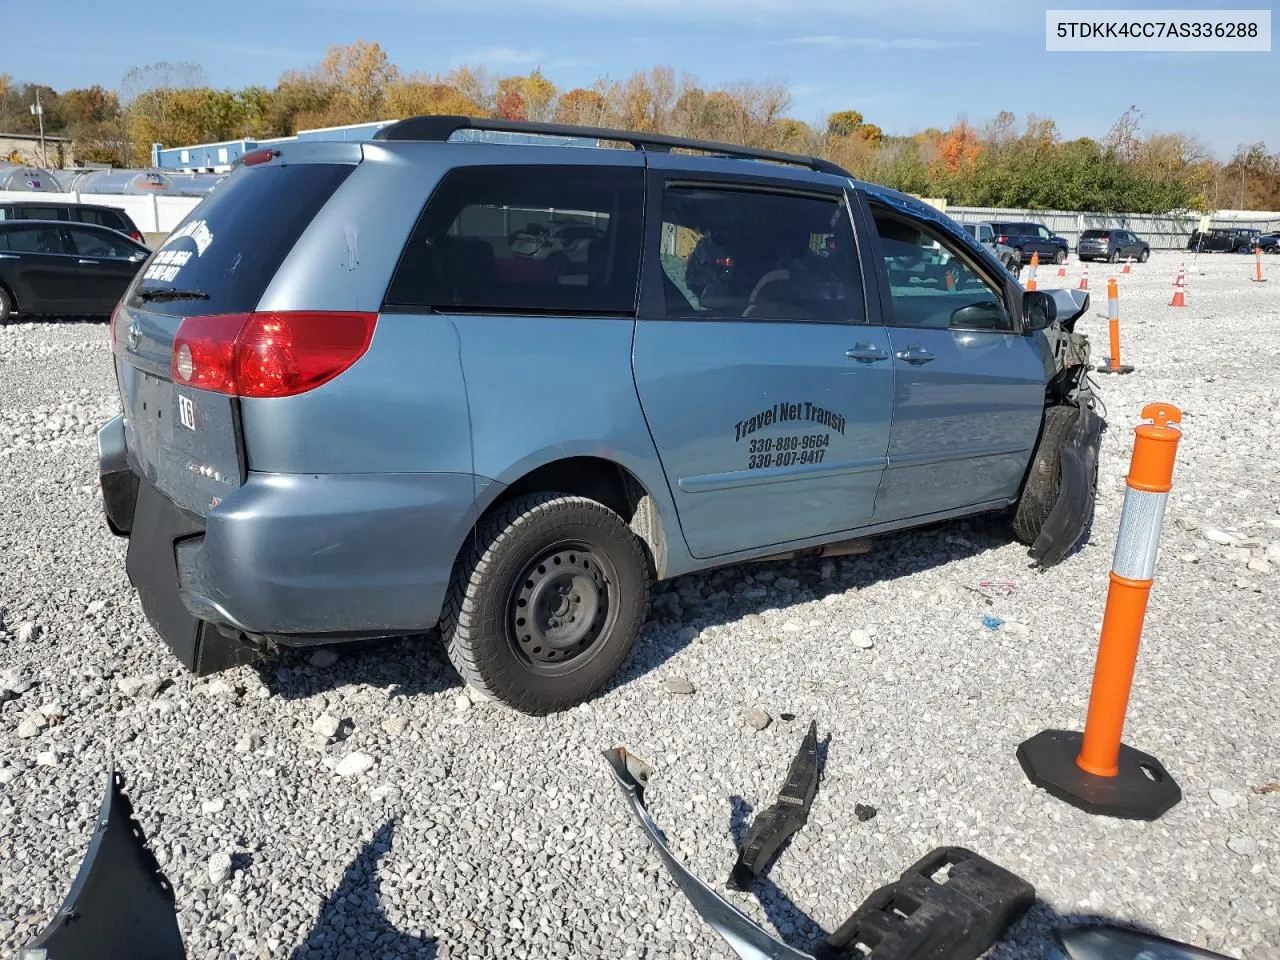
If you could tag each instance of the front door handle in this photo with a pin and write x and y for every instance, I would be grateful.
(914, 354)
(866, 353)
(82, 260)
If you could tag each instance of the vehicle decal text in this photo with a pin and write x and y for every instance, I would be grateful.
(802, 412)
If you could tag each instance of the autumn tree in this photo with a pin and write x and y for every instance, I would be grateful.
(419, 95)
(581, 106)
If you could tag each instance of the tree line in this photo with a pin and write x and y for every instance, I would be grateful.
(1002, 163)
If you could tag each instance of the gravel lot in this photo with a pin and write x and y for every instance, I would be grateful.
(473, 831)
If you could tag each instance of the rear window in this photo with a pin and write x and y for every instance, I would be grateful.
(535, 238)
(1094, 234)
(232, 243)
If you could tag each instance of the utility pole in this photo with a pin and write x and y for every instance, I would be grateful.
(38, 111)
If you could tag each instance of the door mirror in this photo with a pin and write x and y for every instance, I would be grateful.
(982, 315)
(1039, 311)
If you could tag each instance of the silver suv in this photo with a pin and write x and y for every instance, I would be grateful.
(374, 388)
(985, 234)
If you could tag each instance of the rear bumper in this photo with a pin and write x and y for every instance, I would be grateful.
(295, 557)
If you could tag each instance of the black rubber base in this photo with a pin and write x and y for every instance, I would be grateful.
(1142, 790)
(1107, 368)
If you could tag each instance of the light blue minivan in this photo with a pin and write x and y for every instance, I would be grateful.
(431, 380)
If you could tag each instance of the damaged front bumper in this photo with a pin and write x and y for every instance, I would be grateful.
(1078, 487)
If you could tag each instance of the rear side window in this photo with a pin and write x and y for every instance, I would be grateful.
(230, 246)
(103, 218)
(33, 240)
(28, 212)
(537, 238)
(97, 243)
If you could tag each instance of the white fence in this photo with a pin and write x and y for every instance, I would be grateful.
(1162, 232)
(157, 214)
(152, 214)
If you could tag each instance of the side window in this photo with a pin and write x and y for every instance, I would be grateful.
(42, 213)
(537, 238)
(984, 234)
(35, 240)
(94, 243)
(931, 285)
(1043, 231)
(733, 254)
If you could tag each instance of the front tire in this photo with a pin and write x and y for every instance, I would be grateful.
(546, 602)
(1040, 492)
(1113, 256)
(6, 306)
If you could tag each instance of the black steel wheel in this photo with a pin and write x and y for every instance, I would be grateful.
(6, 306)
(1060, 256)
(1145, 255)
(1114, 255)
(546, 602)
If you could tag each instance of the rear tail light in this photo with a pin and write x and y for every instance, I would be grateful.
(723, 262)
(273, 354)
(1003, 238)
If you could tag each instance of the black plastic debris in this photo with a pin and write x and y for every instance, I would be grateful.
(951, 905)
(120, 906)
(863, 811)
(771, 829)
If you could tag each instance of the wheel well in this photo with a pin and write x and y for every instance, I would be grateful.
(12, 297)
(606, 482)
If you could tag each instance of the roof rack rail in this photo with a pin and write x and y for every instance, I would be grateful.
(438, 129)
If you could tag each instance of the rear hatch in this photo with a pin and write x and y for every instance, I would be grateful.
(216, 264)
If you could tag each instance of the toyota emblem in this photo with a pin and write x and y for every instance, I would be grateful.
(135, 335)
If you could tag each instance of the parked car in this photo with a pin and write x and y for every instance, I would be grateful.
(321, 444)
(1028, 238)
(985, 234)
(63, 269)
(110, 217)
(1269, 243)
(1223, 240)
(1112, 245)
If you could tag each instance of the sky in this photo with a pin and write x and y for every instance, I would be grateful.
(904, 64)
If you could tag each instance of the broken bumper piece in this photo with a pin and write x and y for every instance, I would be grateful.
(120, 906)
(744, 936)
(1078, 488)
(951, 905)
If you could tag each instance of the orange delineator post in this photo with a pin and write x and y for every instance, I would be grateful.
(1257, 257)
(1035, 262)
(1062, 270)
(1095, 770)
(1132, 574)
(1113, 323)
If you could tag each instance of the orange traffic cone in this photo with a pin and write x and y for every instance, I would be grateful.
(1062, 270)
(1179, 290)
(1084, 279)
(1031, 279)
(1127, 262)
(1257, 255)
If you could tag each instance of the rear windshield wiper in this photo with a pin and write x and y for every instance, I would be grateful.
(172, 293)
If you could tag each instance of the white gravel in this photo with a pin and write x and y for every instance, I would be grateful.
(429, 824)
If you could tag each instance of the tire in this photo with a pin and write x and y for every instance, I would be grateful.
(545, 555)
(1060, 257)
(1145, 255)
(1114, 256)
(1242, 249)
(6, 306)
(1040, 492)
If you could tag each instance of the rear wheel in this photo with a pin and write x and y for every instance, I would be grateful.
(1242, 249)
(1044, 480)
(1144, 256)
(1114, 255)
(6, 306)
(546, 602)
(1060, 257)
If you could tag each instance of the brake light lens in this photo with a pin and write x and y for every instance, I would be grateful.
(270, 354)
(255, 157)
(1003, 238)
(725, 262)
(137, 236)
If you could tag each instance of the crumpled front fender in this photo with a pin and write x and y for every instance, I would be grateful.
(1077, 492)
